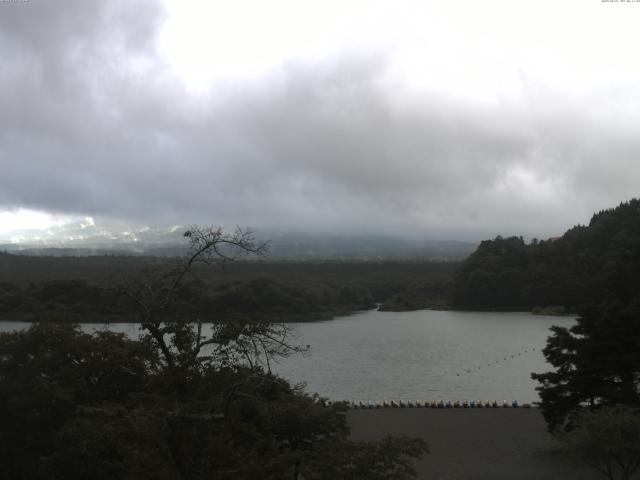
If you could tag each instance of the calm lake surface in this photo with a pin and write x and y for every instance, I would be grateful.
(422, 355)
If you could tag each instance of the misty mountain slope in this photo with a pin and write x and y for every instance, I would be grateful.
(288, 246)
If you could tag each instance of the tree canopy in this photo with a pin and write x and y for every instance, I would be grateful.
(582, 267)
(597, 362)
(181, 402)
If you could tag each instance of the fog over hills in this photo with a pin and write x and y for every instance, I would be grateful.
(85, 239)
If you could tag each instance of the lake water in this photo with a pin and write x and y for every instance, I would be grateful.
(422, 355)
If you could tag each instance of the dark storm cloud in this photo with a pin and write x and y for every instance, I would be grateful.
(92, 122)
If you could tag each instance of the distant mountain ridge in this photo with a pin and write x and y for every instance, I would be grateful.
(283, 246)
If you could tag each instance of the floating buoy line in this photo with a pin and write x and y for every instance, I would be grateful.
(370, 404)
(498, 361)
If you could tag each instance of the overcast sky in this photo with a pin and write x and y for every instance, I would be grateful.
(439, 119)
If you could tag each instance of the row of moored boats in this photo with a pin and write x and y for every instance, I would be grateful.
(437, 404)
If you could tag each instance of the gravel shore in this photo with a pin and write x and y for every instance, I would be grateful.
(475, 444)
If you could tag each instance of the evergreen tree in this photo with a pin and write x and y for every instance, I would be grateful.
(597, 362)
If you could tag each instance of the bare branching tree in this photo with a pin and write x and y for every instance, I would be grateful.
(177, 331)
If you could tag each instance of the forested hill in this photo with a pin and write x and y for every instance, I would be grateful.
(582, 267)
(83, 289)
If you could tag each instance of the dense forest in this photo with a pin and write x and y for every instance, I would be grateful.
(80, 289)
(175, 403)
(592, 391)
(556, 275)
(582, 267)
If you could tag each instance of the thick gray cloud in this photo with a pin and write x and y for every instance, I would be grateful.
(94, 122)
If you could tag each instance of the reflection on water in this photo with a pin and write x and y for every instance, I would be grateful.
(421, 355)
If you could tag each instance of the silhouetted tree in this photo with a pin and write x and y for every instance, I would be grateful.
(597, 362)
(179, 403)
